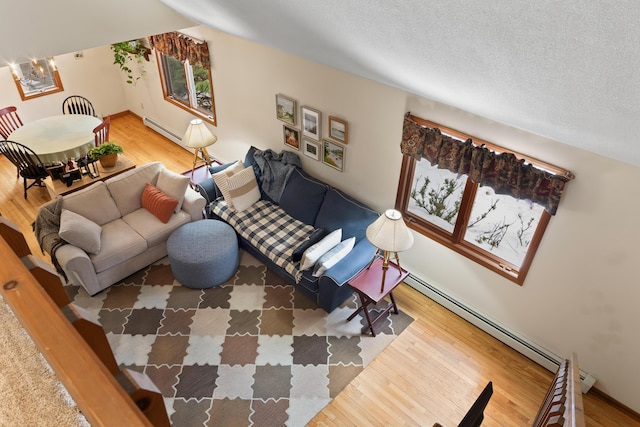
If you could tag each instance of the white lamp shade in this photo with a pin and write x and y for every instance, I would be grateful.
(390, 233)
(198, 135)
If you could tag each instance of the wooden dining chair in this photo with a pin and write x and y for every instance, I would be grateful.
(76, 104)
(475, 414)
(9, 121)
(101, 132)
(29, 165)
(101, 135)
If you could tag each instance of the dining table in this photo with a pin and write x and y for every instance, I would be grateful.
(58, 138)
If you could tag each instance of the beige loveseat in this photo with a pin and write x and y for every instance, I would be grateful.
(128, 237)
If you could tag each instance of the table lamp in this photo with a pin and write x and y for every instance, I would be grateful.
(199, 136)
(390, 235)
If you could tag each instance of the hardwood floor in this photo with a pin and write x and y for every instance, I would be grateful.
(432, 373)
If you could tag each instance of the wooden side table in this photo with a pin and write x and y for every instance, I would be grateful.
(367, 285)
(200, 174)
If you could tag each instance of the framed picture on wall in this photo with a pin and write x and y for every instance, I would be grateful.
(286, 109)
(311, 123)
(333, 154)
(291, 137)
(311, 149)
(339, 129)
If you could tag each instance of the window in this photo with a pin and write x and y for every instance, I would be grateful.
(495, 230)
(36, 78)
(186, 82)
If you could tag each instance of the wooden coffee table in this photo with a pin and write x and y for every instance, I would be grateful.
(57, 187)
(367, 285)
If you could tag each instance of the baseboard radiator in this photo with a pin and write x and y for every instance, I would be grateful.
(534, 352)
(162, 130)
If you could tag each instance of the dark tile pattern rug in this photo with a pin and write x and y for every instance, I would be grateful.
(253, 351)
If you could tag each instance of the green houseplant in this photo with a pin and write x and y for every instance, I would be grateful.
(106, 153)
(124, 53)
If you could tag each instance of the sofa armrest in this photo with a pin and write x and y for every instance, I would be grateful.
(78, 266)
(193, 204)
(349, 266)
(208, 188)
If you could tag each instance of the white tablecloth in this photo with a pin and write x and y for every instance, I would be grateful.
(58, 138)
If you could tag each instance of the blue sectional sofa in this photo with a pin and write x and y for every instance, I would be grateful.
(305, 204)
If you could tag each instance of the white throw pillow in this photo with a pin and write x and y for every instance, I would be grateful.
(243, 189)
(173, 185)
(221, 179)
(332, 257)
(80, 231)
(313, 254)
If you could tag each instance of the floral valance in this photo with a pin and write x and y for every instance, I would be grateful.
(503, 172)
(182, 47)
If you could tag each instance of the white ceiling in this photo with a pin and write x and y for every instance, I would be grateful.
(564, 69)
(41, 28)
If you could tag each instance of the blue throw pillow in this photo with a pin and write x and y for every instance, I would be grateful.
(302, 196)
(315, 237)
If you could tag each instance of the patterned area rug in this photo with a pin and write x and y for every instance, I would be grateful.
(253, 351)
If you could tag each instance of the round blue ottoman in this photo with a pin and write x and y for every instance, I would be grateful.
(203, 253)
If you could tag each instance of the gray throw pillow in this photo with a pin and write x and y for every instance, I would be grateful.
(80, 231)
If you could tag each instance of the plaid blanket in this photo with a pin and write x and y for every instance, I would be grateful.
(269, 229)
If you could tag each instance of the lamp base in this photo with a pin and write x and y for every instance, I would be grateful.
(386, 256)
(206, 159)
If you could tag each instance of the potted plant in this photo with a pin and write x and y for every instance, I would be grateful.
(106, 153)
(126, 52)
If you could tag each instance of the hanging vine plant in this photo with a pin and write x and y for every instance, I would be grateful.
(127, 52)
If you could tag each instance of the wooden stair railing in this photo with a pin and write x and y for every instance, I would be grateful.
(76, 348)
(562, 406)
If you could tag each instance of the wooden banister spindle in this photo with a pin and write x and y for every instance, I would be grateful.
(14, 237)
(146, 396)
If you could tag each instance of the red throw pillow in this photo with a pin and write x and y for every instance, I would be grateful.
(158, 203)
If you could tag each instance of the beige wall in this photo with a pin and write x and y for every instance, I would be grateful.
(582, 288)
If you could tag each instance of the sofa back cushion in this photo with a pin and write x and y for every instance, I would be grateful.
(126, 188)
(94, 203)
(339, 210)
(302, 196)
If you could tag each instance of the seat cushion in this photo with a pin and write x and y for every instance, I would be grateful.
(119, 243)
(151, 228)
(94, 203)
(302, 196)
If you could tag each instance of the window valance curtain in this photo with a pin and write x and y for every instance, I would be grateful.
(181, 46)
(503, 172)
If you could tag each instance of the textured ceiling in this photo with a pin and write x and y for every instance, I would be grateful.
(564, 69)
(40, 28)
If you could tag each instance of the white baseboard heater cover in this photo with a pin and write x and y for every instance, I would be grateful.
(162, 130)
(534, 352)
